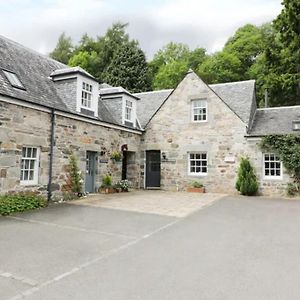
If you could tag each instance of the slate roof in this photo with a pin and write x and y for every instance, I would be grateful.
(34, 70)
(107, 91)
(149, 103)
(40, 89)
(239, 96)
(71, 70)
(277, 120)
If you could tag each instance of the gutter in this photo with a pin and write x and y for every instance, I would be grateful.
(51, 154)
(69, 114)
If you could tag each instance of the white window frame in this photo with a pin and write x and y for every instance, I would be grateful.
(201, 106)
(35, 169)
(200, 165)
(128, 110)
(86, 95)
(272, 177)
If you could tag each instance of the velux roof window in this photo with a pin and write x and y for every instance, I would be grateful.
(13, 79)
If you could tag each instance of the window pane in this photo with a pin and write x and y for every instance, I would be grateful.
(25, 175)
(30, 175)
(34, 152)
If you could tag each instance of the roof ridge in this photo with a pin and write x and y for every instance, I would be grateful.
(157, 91)
(279, 107)
(233, 82)
(31, 50)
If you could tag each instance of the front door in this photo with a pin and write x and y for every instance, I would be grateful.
(90, 171)
(124, 165)
(153, 169)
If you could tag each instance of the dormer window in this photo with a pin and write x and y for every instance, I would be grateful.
(86, 95)
(199, 110)
(128, 110)
(13, 79)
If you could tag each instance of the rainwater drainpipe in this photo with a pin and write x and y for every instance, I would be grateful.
(51, 154)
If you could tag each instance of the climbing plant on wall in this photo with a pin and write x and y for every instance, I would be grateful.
(287, 147)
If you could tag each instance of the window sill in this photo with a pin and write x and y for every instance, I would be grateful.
(87, 108)
(23, 183)
(197, 174)
(195, 122)
(273, 178)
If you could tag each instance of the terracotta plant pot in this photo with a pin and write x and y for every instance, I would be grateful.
(108, 190)
(196, 190)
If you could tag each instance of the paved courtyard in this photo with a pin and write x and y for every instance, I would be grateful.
(108, 247)
(174, 204)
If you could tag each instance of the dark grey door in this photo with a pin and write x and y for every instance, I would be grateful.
(153, 168)
(90, 171)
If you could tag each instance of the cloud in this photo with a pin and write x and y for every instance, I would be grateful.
(208, 24)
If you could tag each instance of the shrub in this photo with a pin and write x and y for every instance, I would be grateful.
(75, 181)
(196, 184)
(247, 182)
(11, 203)
(107, 181)
(292, 189)
(116, 155)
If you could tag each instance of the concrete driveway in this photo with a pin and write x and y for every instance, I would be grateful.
(230, 248)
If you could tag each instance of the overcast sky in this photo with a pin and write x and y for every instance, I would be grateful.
(204, 23)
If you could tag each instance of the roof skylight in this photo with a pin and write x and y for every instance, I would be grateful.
(13, 79)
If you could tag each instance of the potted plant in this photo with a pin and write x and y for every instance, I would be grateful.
(196, 187)
(107, 186)
(124, 185)
(116, 156)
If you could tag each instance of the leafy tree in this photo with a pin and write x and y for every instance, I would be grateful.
(128, 68)
(170, 75)
(220, 67)
(170, 64)
(89, 61)
(247, 182)
(63, 50)
(283, 57)
(246, 45)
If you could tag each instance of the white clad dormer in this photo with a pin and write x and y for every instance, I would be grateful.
(78, 89)
(121, 104)
(87, 95)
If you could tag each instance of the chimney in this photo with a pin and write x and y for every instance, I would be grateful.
(266, 98)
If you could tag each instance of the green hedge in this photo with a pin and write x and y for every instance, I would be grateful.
(18, 202)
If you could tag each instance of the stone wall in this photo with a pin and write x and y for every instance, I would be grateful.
(222, 137)
(20, 126)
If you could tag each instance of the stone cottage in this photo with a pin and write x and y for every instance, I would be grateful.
(167, 138)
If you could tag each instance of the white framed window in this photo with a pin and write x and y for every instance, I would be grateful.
(128, 110)
(86, 95)
(272, 166)
(29, 166)
(199, 110)
(197, 163)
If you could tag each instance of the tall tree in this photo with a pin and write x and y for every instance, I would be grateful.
(221, 67)
(283, 57)
(128, 68)
(170, 64)
(63, 50)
